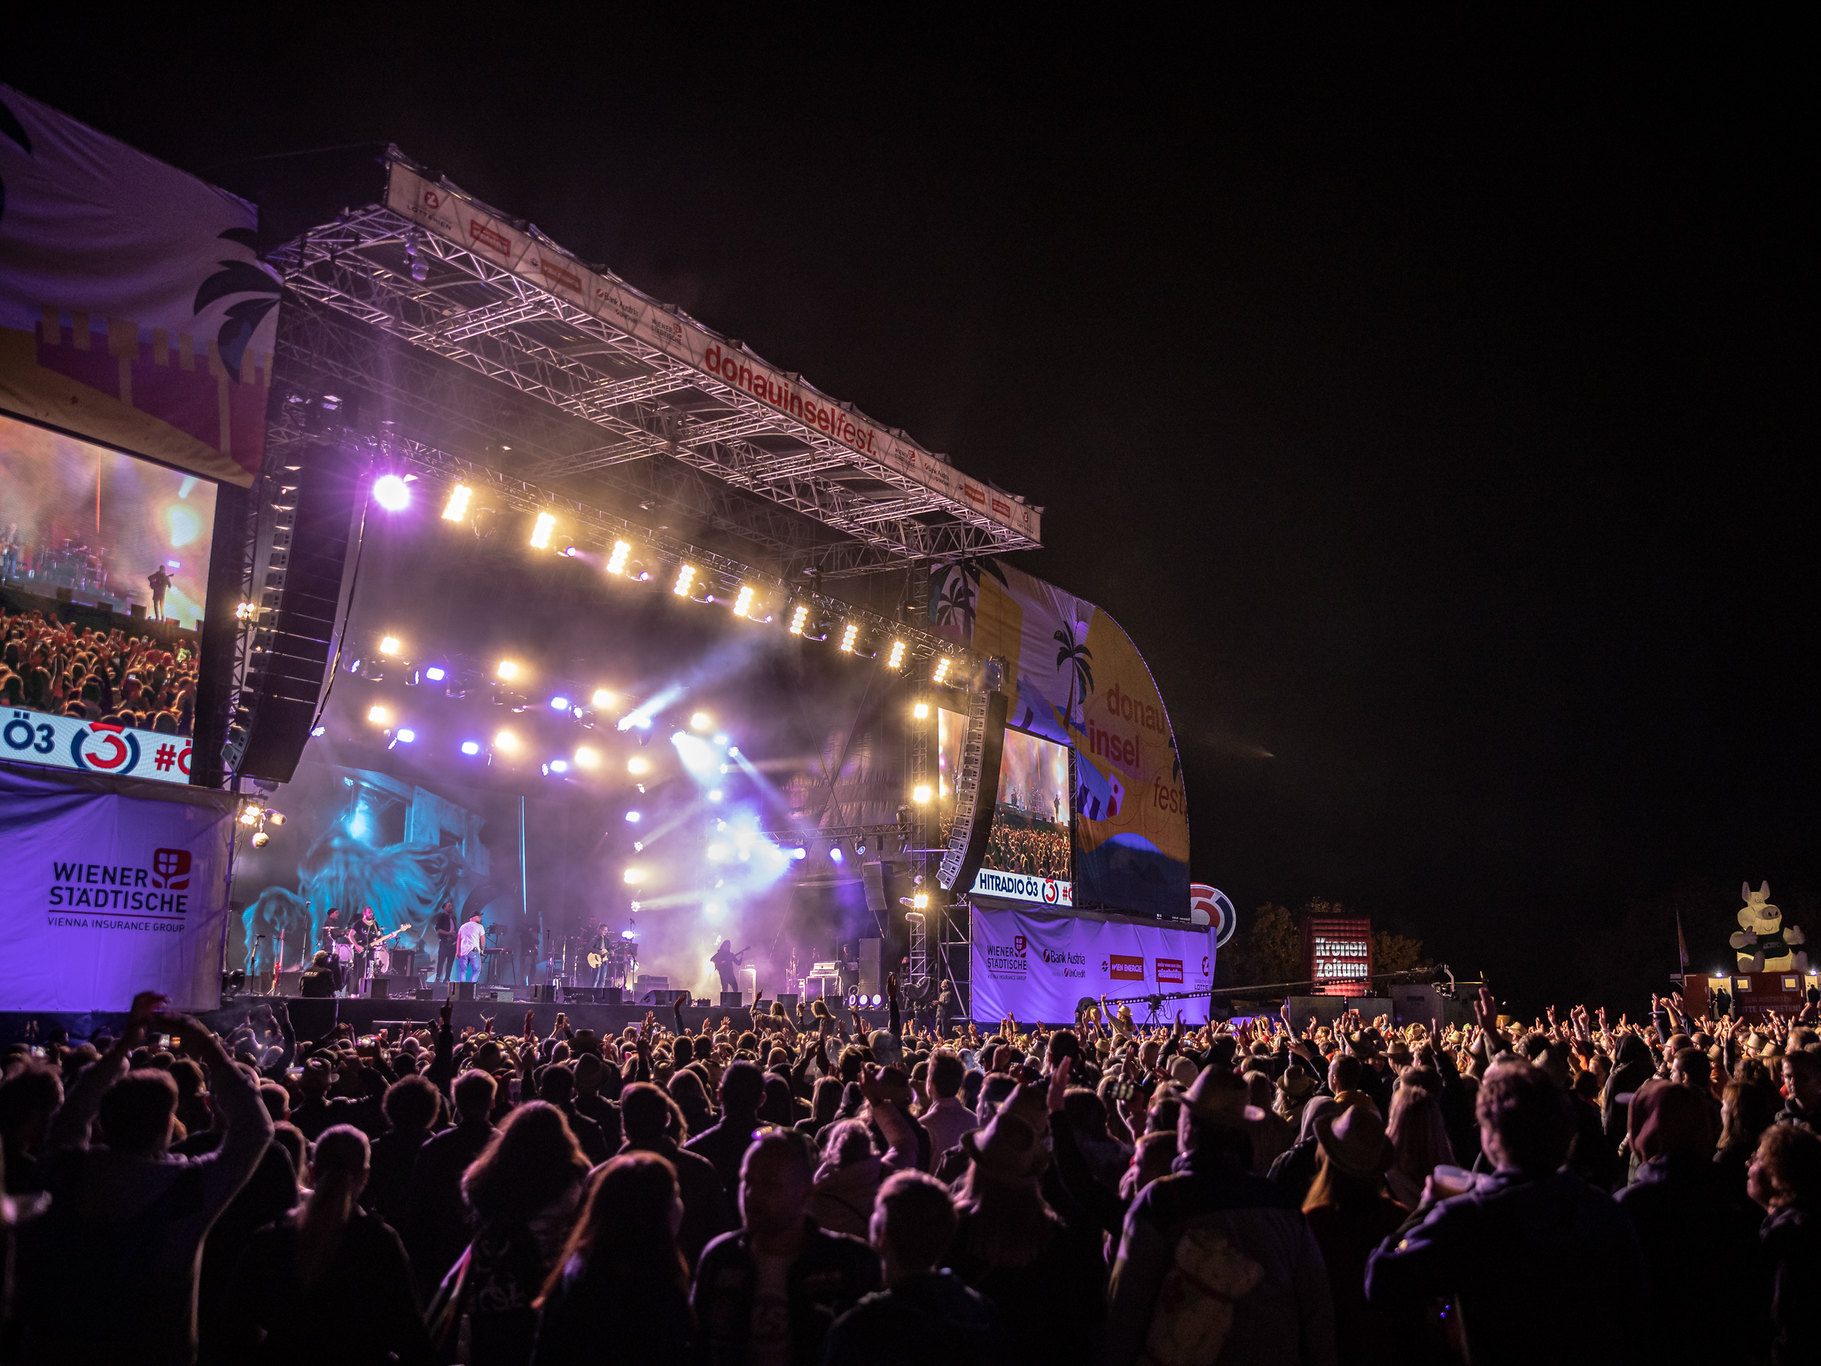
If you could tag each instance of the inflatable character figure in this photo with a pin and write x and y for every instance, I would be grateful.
(1763, 943)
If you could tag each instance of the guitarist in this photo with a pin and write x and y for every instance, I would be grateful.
(361, 935)
(726, 961)
(443, 922)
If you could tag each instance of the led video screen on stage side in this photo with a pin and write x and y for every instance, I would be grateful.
(104, 566)
(1029, 843)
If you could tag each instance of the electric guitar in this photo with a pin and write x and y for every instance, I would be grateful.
(716, 957)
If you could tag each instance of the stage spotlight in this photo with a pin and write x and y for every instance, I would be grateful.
(392, 493)
(616, 562)
(920, 794)
(261, 839)
(249, 813)
(457, 506)
(275, 817)
(436, 673)
(541, 530)
(404, 735)
(799, 618)
(559, 765)
(834, 854)
(919, 901)
(877, 1000)
(860, 848)
(317, 732)
(686, 576)
(471, 747)
(379, 715)
(638, 846)
(895, 659)
(733, 751)
(798, 853)
(245, 611)
(942, 670)
(601, 699)
(717, 852)
(507, 671)
(714, 794)
(633, 877)
(559, 703)
(714, 910)
(569, 552)
(743, 600)
(506, 742)
(389, 646)
(849, 635)
(586, 757)
(638, 765)
(921, 711)
(700, 721)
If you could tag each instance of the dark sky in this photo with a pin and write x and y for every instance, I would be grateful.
(1425, 400)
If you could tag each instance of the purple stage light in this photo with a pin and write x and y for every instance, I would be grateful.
(436, 673)
(835, 855)
(392, 493)
(633, 818)
(559, 703)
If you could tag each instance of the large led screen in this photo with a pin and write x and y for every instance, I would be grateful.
(1027, 855)
(104, 566)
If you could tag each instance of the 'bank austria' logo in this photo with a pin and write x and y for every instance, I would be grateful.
(105, 748)
(171, 870)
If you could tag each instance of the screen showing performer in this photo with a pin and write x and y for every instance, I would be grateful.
(104, 567)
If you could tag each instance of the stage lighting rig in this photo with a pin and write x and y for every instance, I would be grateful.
(943, 668)
(506, 742)
(894, 659)
(507, 670)
(455, 509)
(743, 601)
(799, 618)
(389, 646)
(686, 577)
(542, 529)
(616, 562)
(601, 699)
(379, 714)
(920, 711)
(850, 636)
(393, 492)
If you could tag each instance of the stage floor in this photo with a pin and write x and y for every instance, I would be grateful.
(314, 1018)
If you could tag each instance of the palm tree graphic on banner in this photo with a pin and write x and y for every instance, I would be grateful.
(1073, 654)
(243, 318)
(10, 127)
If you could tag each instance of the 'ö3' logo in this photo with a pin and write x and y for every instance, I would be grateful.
(105, 747)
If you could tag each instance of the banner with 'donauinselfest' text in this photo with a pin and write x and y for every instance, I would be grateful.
(1039, 967)
(109, 889)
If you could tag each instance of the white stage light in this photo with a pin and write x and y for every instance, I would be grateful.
(559, 765)
(919, 901)
(835, 855)
(379, 715)
(895, 659)
(920, 794)
(714, 794)
(700, 721)
(686, 576)
(633, 877)
(506, 742)
(799, 853)
(743, 600)
(404, 735)
(507, 671)
(633, 817)
(799, 618)
(586, 757)
(849, 635)
(616, 562)
(471, 747)
(436, 673)
(638, 765)
(921, 711)
(457, 506)
(392, 493)
(601, 700)
(942, 668)
(542, 529)
(559, 703)
(389, 646)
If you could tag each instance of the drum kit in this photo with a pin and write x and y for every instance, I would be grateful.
(73, 565)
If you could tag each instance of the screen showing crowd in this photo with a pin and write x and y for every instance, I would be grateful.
(1030, 834)
(104, 563)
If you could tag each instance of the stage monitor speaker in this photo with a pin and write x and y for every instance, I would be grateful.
(544, 993)
(404, 963)
(423, 994)
(871, 977)
(464, 991)
(298, 607)
(788, 999)
(873, 875)
(976, 791)
(379, 988)
(732, 1000)
(613, 996)
(656, 996)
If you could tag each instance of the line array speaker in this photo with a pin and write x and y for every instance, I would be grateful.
(976, 791)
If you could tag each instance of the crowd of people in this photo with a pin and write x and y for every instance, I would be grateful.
(791, 1187)
(82, 671)
(1037, 851)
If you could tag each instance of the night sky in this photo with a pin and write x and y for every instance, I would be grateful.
(1425, 401)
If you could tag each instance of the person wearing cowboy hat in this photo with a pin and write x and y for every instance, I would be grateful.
(1350, 1214)
(1215, 1263)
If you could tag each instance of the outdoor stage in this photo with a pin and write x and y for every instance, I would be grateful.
(314, 1018)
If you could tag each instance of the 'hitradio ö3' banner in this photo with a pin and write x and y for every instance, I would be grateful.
(108, 892)
(1039, 967)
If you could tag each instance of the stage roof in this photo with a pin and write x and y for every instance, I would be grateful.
(579, 381)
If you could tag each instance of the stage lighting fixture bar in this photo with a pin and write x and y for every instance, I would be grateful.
(628, 392)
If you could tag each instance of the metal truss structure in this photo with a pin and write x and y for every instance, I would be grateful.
(461, 354)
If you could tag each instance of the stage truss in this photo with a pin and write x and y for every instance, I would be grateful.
(561, 397)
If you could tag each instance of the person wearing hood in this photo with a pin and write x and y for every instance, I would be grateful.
(841, 1199)
(1679, 1187)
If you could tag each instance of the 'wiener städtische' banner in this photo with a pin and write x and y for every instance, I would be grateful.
(1038, 967)
(110, 887)
(134, 309)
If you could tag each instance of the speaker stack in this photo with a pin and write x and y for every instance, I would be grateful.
(315, 503)
(976, 791)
